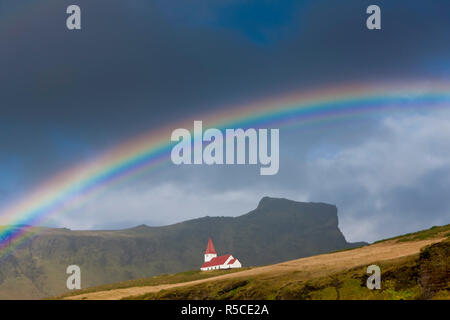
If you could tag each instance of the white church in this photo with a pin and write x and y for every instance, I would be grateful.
(214, 262)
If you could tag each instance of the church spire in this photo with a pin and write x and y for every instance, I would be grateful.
(210, 247)
(210, 252)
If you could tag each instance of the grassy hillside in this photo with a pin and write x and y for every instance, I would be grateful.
(433, 232)
(154, 281)
(417, 274)
(422, 276)
(277, 230)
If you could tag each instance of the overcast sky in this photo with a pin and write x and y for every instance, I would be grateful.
(67, 96)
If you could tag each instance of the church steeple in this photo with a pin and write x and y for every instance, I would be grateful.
(210, 251)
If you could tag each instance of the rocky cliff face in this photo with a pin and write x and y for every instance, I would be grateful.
(277, 230)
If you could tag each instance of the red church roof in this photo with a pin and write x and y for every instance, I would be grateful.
(217, 261)
(210, 247)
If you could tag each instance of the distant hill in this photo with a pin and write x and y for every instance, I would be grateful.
(277, 230)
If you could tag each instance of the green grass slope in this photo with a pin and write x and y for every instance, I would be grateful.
(422, 276)
(154, 281)
(433, 232)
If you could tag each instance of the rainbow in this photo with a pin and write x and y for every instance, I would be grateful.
(76, 186)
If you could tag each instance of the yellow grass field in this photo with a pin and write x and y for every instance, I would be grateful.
(310, 267)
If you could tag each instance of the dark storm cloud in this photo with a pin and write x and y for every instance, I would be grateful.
(134, 61)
